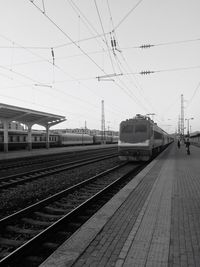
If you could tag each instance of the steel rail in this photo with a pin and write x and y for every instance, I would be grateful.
(42, 172)
(37, 159)
(22, 250)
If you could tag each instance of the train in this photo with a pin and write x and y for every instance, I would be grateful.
(140, 139)
(195, 138)
(17, 139)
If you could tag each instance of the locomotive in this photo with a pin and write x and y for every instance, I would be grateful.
(140, 138)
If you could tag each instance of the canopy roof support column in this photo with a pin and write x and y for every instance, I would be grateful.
(5, 135)
(47, 136)
(29, 140)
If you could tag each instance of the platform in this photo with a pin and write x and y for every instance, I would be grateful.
(43, 151)
(153, 221)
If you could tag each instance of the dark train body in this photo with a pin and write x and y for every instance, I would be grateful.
(195, 138)
(140, 138)
(17, 139)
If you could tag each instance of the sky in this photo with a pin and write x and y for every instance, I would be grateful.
(57, 57)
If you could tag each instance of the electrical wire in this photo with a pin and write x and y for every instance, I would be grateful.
(99, 36)
(36, 83)
(163, 44)
(126, 16)
(163, 70)
(104, 35)
(193, 95)
(67, 36)
(87, 23)
(121, 67)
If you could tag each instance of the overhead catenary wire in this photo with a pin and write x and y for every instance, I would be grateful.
(46, 106)
(193, 95)
(126, 16)
(68, 37)
(104, 35)
(123, 87)
(121, 67)
(147, 72)
(145, 46)
(88, 24)
(38, 83)
(59, 76)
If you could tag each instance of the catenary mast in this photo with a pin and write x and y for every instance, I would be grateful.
(182, 117)
(102, 123)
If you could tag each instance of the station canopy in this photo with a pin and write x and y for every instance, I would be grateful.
(28, 116)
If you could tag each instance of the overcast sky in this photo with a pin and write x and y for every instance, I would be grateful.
(78, 34)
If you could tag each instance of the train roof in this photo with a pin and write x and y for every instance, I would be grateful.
(140, 117)
(194, 134)
(73, 134)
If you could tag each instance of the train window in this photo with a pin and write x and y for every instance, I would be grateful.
(158, 135)
(127, 129)
(141, 128)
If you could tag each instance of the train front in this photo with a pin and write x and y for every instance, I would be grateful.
(135, 139)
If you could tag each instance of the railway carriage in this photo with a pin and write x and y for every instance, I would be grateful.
(195, 138)
(75, 139)
(109, 139)
(18, 139)
(140, 138)
(115, 139)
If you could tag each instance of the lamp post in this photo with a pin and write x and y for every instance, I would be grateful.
(188, 127)
(108, 126)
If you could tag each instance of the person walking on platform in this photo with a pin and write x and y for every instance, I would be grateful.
(187, 145)
(178, 144)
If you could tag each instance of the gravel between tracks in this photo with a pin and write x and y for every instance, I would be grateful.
(12, 200)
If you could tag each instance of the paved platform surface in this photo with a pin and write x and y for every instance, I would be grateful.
(44, 151)
(153, 221)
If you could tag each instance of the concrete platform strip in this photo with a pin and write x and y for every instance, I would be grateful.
(148, 242)
(70, 251)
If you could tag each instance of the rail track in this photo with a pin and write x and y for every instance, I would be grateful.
(7, 166)
(21, 178)
(42, 227)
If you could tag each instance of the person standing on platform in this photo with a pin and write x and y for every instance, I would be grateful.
(187, 145)
(178, 144)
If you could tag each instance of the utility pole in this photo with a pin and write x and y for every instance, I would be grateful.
(179, 126)
(102, 123)
(182, 117)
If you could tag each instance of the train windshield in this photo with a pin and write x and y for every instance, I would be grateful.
(127, 129)
(134, 133)
(140, 128)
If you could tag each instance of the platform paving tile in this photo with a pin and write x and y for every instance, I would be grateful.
(118, 214)
(159, 222)
(122, 224)
(154, 227)
(185, 228)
